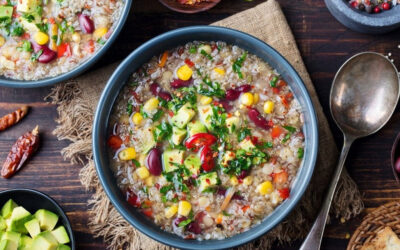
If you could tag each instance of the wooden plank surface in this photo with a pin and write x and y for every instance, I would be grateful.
(325, 45)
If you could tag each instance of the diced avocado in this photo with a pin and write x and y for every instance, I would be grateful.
(29, 25)
(61, 235)
(208, 180)
(183, 116)
(18, 218)
(33, 227)
(247, 145)
(226, 157)
(147, 140)
(8, 245)
(195, 127)
(172, 157)
(44, 241)
(47, 219)
(193, 163)
(3, 225)
(205, 114)
(6, 210)
(25, 243)
(6, 12)
(13, 236)
(233, 123)
(63, 247)
(27, 5)
(178, 135)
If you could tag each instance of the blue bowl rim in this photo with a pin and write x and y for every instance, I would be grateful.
(219, 244)
(47, 197)
(8, 82)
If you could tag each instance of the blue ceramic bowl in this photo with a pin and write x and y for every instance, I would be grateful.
(363, 22)
(33, 200)
(7, 82)
(171, 40)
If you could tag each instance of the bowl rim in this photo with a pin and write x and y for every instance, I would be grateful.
(188, 10)
(54, 202)
(79, 69)
(219, 244)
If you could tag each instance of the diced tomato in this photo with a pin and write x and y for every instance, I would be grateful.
(281, 83)
(148, 212)
(245, 208)
(189, 63)
(132, 198)
(214, 47)
(90, 46)
(280, 178)
(207, 160)
(170, 113)
(64, 50)
(276, 131)
(275, 90)
(114, 142)
(52, 20)
(284, 193)
(200, 140)
(26, 36)
(254, 139)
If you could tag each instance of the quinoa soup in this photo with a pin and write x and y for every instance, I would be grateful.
(206, 140)
(46, 38)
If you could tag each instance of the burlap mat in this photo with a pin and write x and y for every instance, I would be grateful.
(77, 101)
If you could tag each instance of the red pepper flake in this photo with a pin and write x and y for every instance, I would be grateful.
(245, 208)
(275, 90)
(284, 193)
(157, 185)
(170, 113)
(208, 181)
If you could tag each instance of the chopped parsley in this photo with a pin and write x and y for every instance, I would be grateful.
(184, 223)
(237, 65)
(129, 108)
(158, 115)
(273, 81)
(162, 131)
(25, 46)
(243, 133)
(288, 135)
(212, 89)
(35, 56)
(204, 53)
(300, 153)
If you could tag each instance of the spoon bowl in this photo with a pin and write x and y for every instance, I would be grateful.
(364, 95)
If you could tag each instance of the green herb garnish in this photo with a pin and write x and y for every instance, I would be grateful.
(237, 65)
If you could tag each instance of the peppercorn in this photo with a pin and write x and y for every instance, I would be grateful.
(361, 7)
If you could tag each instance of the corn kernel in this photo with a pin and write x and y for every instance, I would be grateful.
(269, 107)
(184, 72)
(256, 98)
(99, 33)
(2, 40)
(151, 104)
(247, 99)
(265, 188)
(234, 180)
(127, 154)
(137, 118)
(142, 172)
(171, 211)
(248, 180)
(219, 71)
(76, 37)
(41, 38)
(206, 48)
(204, 100)
(149, 181)
(184, 208)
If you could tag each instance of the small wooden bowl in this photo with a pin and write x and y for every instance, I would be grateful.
(189, 9)
(395, 154)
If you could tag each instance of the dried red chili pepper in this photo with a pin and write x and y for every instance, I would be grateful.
(20, 152)
(13, 118)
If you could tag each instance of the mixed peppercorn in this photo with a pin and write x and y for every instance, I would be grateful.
(373, 6)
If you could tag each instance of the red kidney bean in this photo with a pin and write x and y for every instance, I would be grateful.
(194, 227)
(165, 95)
(237, 197)
(257, 118)
(86, 23)
(154, 162)
(157, 91)
(243, 174)
(397, 165)
(47, 54)
(178, 83)
(225, 103)
(233, 94)
(221, 191)
(132, 198)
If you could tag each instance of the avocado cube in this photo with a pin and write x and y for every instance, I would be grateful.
(3, 225)
(147, 140)
(18, 218)
(25, 243)
(178, 135)
(247, 145)
(196, 127)
(27, 5)
(227, 157)
(183, 116)
(61, 235)
(193, 163)
(205, 114)
(33, 227)
(29, 26)
(7, 208)
(6, 12)
(47, 219)
(13, 236)
(171, 158)
(63, 247)
(44, 241)
(232, 123)
(8, 245)
(208, 180)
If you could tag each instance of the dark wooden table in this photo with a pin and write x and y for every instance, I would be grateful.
(324, 43)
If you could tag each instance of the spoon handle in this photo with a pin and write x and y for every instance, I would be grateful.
(314, 237)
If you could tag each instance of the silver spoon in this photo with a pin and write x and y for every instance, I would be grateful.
(364, 95)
